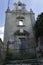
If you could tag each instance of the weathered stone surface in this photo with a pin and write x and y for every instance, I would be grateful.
(12, 32)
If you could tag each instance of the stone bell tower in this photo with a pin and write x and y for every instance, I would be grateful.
(19, 27)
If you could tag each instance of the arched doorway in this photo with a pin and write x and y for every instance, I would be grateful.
(23, 37)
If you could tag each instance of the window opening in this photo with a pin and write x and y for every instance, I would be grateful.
(21, 23)
(19, 7)
(21, 30)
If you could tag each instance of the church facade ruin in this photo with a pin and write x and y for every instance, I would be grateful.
(19, 28)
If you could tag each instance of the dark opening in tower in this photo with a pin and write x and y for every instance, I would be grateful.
(23, 37)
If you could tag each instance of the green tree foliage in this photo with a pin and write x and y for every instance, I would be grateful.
(1, 43)
(39, 26)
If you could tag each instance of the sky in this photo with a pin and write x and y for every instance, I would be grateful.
(35, 5)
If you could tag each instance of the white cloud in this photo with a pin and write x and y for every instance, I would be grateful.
(1, 36)
(2, 32)
(2, 29)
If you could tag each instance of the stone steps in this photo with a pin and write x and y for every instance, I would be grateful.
(18, 64)
(21, 62)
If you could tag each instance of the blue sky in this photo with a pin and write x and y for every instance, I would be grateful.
(36, 5)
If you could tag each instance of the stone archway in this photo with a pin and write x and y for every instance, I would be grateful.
(23, 37)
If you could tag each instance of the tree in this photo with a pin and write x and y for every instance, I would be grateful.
(0, 46)
(1, 43)
(39, 26)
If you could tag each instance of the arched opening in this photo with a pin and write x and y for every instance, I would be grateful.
(21, 23)
(19, 7)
